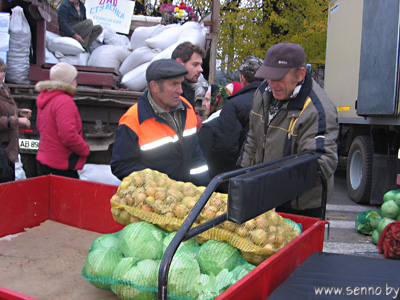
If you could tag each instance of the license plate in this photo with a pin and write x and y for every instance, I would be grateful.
(28, 144)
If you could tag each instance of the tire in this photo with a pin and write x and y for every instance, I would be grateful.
(359, 169)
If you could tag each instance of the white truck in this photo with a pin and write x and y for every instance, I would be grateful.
(362, 79)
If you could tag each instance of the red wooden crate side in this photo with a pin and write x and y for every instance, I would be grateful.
(6, 294)
(263, 280)
(24, 204)
(83, 204)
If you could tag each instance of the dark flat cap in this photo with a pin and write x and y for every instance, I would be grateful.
(165, 69)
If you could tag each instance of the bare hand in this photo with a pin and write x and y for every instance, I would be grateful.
(23, 121)
(78, 38)
(25, 112)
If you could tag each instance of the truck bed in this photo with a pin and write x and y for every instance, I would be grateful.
(45, 263)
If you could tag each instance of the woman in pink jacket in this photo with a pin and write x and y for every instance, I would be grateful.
(62, 149)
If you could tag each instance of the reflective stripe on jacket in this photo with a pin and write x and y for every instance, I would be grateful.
(144, 140)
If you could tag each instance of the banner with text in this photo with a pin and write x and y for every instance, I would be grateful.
(116, 14)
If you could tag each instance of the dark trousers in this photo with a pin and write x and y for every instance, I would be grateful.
(88, 32)
(12, 175)
(45, 170)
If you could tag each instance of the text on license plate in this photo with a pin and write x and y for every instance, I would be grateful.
(28, 144)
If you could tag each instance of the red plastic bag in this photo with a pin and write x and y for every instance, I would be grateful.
(389, 241)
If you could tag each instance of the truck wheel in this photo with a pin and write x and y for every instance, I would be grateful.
(359, 169)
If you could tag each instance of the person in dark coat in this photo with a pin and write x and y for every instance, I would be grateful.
(215, 99)
(72, 22)
(233, 122)
(191, 57)
(159, 131)
(11, 118)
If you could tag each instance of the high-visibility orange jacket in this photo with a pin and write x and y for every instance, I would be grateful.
(144, 140)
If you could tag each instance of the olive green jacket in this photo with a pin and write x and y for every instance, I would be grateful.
(305, 123)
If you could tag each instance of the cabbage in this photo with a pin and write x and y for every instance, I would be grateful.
(191, 243)
(109, 240)
(389, 195)
(375, 236)
(141, 240)
(124, 266)
(100, 265)
(210, 286)
(214, 256)
(182, 276)
(140, 282)
(367, 221)
(390, 209)
(242, 270)
(397, 198)
(383, 223)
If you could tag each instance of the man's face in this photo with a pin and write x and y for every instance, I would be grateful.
(281, 89)
(166, 93)
(193, 65)
(207, 103)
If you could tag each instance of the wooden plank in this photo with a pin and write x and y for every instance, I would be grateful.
(88, 69)
(106, 80)
(214, 40)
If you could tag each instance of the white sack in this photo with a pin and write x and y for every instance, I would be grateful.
(108, 56)
(98, 173)
(96, 44)
(200, 87)
(50, 57)
(136, 58)
(165, 53)
(195, 36)
(50, 36)
(4, 42)
(65, 45)
(19, 171)
(171, 35)
(111, 37)
(164, 39)
(76, 60)
(20, 43)
(140, 34)
(135, 80)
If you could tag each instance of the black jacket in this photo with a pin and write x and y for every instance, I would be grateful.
(233, 125)
(216, 166)
(145, 140)
(68, 17)
(188, 92)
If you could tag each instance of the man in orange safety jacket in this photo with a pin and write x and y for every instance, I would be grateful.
(159, 131)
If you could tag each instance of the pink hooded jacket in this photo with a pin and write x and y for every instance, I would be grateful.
(61, 145)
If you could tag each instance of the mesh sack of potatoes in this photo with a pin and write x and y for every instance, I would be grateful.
(152, 196)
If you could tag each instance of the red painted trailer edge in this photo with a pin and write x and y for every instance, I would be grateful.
(263, 280)
(6, 294)
(79, 203)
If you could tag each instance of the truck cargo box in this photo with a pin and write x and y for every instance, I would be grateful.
(84, 205)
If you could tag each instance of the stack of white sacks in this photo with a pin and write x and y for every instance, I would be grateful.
(130, 57)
